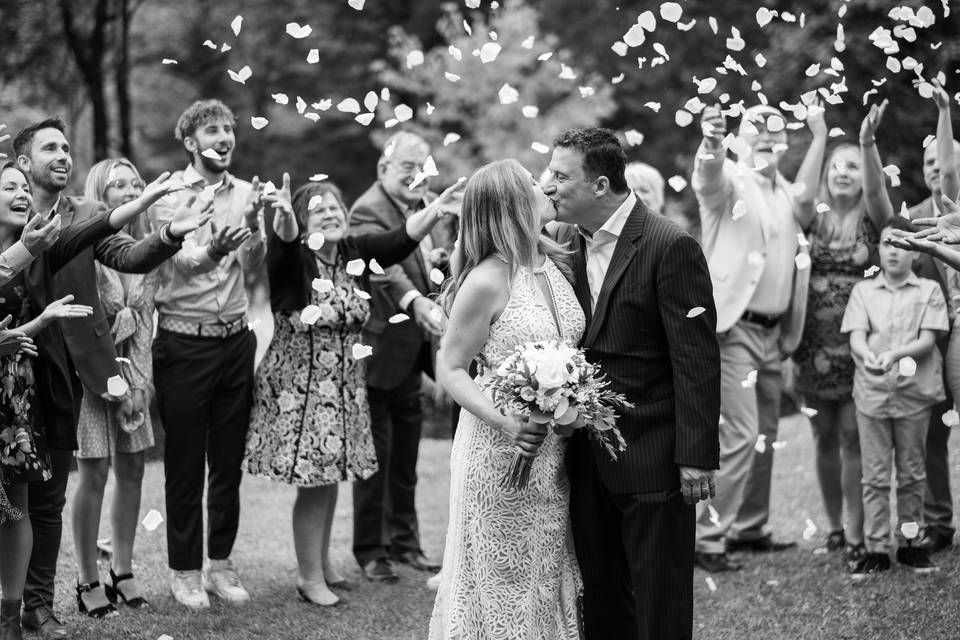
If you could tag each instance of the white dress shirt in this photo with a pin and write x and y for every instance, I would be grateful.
(600, 247)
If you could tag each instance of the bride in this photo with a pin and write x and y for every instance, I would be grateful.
(509, 569)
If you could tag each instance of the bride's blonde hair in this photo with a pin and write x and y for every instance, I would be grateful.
(499, 218)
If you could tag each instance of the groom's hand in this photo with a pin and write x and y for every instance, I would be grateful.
(697, 484)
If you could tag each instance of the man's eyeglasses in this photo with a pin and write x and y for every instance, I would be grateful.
(120, 185)
(408, 166)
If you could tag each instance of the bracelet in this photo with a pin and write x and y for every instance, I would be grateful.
(167, 236)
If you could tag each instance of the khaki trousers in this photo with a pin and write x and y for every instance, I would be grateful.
(749, 410)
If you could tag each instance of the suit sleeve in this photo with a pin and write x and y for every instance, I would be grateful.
(394, 279)
(683, 283)
(386, 247)
(123, 253)
(76, 237)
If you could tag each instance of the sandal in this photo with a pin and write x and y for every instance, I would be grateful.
(114, 593)
(106, 611)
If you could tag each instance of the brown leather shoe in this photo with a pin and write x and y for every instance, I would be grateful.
(416, 560)
(379, 570)
(45, 623)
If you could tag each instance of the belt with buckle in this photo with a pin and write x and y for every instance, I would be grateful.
(761, 319)
(216, 330)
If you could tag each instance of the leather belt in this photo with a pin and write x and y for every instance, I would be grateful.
(217, 330)
(761, 319)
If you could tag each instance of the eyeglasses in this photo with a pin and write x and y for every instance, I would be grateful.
(408, 166)
(120, 185)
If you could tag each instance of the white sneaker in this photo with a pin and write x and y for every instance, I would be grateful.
(187, 589)
(433, 582)
(221, 579)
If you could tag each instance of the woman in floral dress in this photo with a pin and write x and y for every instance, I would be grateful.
(311, 421)
(852, 206)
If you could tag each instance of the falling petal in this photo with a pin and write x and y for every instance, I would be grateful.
(677, 183)
(908, 367)
(530, 111)
(450, 138)
(361, 351)
(297, 31)
(355, 267)
(634, 137)
(398, 318)
(436, 276)
(258, 123)
(152, 520)
(489, 52)
(322, 285)
(539, 147)
(696, 311)
(236, 24)
(508, 95)
(348, 105)
(402, 112)
(356, 4)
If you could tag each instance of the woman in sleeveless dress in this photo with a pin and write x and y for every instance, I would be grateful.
(509, 569)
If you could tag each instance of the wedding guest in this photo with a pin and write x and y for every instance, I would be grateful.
(941, 177)
(311, 421)
(851, 206)
(203, 358)
(385, 526)
(110, 432)
(647, 184)
(77, 355)
(750, 226)
(892, 320)
(25, 437)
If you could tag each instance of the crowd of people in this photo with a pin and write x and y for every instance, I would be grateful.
(136, 294)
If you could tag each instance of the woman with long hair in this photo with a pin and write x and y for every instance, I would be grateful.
(23, 455)
(509, 568)
(115, 433)
(851, 207)
(311, 422)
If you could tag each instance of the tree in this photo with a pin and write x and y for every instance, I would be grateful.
(471, 107)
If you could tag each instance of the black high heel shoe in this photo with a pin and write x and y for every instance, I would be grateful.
(114, 593)
(108, 610)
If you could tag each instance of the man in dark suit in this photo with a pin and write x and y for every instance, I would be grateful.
(644, 286)
(384, 509)
(72, 355)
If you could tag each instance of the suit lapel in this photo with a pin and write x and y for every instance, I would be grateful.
(580, 285)
(623, 253)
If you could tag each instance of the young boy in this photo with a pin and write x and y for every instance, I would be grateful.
(892, 320)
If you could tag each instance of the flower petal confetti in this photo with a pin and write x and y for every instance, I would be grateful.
(951, 418)
(761, 445)
(671, 11)
(236, 24)
(711, 583)
(361, 351)
(152, 520)
(258, 122)
(360, 293)
(871, 271)
(810, 412)
(348, 105)
(356, 267)
(810, 530)
(539, 147)
(322, 285)
(802, 260)
(117, 386)
(907, 367)
(356, 4)
(530, 111)
(397, 318)
(240, 76)
(298, 31)
(634, 137)
(677, 183)
(436, 276)
(375, 267)
(714, 515)
(508, 95)
(696, 311)
(489, 52)
(168, 61)
(751, 380)
(310, 314)
(910, 530)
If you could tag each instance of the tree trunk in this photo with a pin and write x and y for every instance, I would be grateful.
(122, 79)
(89, 53)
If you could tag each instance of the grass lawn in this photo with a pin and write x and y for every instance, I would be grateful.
(793, 595)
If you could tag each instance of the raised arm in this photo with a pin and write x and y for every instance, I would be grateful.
(809, 173)
(61, 309)
(946, 156)
(875, 194)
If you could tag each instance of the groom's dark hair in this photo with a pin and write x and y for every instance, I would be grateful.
(602, 154)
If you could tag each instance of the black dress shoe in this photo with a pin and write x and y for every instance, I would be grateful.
(45, 623)
(766, 544)
(934, 540)
(715, 562)
(379, 570)
(417, 560)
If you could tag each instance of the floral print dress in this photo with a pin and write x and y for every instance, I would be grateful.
(22, 458)
(823, 357)
(311, 420)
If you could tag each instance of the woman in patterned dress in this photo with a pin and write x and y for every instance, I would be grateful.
(22, 452)
(116, 433)
(852, 206)
(509, 569)
(311, 423)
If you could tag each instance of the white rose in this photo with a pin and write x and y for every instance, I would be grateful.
(550, 369)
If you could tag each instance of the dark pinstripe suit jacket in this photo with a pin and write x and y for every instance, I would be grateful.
(667, 364)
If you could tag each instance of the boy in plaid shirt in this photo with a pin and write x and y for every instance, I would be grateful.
(893, 320)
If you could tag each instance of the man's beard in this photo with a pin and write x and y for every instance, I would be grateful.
(213, 166)
(46, 182)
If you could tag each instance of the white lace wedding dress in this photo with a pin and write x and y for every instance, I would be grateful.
(509, 569)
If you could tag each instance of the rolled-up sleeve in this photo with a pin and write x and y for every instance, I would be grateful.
(13, 261)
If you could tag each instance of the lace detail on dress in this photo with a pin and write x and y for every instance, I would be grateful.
(509, 569)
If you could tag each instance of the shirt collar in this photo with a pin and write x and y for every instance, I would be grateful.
(192, 178)
(613, 227)
(881, 282)
(53, 210)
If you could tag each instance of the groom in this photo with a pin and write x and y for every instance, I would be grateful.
(644, 286)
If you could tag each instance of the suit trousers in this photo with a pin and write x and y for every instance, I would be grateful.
(881, 441)
(205, 394)
(750, 412)
(46, 502)
(384, 505)
(635, 553)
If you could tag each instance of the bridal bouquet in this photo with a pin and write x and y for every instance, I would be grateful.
(553, 384)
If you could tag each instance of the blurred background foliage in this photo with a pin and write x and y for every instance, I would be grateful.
(99, 63)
